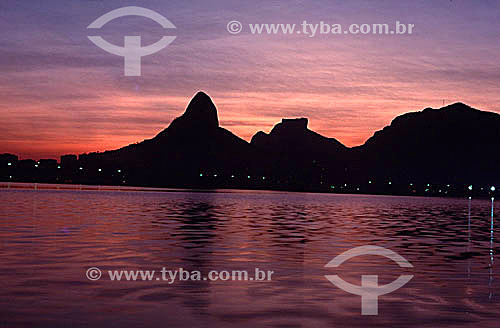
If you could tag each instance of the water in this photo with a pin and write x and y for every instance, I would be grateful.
(49, 238)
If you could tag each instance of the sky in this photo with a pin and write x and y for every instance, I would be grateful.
(60, 93)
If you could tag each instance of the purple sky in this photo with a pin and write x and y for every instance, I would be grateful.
(59, 93)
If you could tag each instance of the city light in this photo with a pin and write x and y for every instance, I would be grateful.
(201, 174)
(99, 170)
(470, 187)
(119, 171)
(492, 188)
(9, 164)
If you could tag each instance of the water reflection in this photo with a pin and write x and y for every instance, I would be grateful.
(194, 224)
(491, 248)
(49, 238)
(468, 239)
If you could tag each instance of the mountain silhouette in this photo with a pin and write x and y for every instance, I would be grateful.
(292, 136)
(298, 157)
(200, 114)
(438, 151)
(452, 143)
(191, 145)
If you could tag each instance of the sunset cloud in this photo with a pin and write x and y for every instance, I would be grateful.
(62, 94)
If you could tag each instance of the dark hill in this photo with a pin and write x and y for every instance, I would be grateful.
(191, 145)
(292, 137)
(296, 156)
(453, 143)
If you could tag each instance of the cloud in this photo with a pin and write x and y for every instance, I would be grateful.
(59, 91)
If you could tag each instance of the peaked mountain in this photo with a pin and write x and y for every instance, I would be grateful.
(191, 145)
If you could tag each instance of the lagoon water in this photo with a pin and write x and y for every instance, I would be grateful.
(49, 238)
